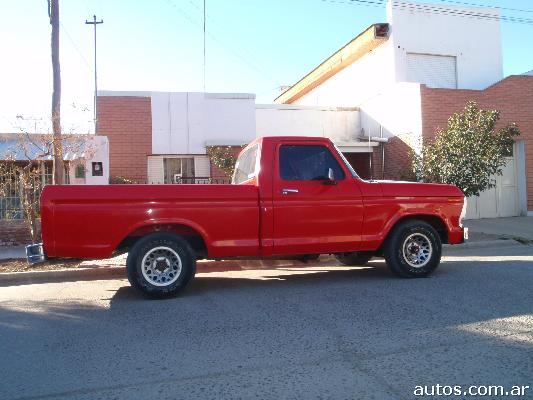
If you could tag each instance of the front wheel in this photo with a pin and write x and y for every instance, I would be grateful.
(160, 264)
(413, 249)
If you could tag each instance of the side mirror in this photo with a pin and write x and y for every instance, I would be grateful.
(331, 178)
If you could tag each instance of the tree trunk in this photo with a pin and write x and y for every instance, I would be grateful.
(56, 94)
(29, 202)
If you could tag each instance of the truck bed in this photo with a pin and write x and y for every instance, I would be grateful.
(90, 221)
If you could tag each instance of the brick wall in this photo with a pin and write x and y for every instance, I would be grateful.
(512, 96)
(398, 158)
(127, 122)
(14, 232)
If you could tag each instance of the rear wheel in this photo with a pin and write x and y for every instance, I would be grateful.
(160, 264)
(354, 258)
(413, 249)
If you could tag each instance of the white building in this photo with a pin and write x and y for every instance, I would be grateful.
(380, 87)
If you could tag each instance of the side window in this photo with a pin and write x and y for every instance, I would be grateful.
(245, 166)
(307, 163)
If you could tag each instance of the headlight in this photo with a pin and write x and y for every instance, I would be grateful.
(463, 212)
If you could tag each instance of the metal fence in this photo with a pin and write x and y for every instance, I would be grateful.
(10, 202)
(202, 180)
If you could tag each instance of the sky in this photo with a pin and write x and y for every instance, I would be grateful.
(252, 46)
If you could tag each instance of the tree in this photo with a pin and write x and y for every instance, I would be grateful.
(223, 158)
(469, 152)
(53, 14)
(21, 172)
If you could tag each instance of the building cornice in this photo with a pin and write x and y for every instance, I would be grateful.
(368, 40)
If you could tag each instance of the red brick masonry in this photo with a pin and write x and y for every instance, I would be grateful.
(513, 96)
(127, 123)
(14, 232)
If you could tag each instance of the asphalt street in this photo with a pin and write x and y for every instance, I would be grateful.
(316, 331)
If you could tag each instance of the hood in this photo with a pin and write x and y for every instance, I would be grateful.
(417, 189)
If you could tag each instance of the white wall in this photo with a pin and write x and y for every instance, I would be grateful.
(398, 110)
(86, 149)
(357, 82)
(340, 125)
(441, 29)
(98, 152)
(438, 29)
(183, 123)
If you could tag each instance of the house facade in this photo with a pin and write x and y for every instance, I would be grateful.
(162, 137)
(86, 161)
(377, 98)
(408, 75)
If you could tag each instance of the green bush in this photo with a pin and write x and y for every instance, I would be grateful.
(469, 152)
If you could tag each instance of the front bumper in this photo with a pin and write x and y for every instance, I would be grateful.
(458, 235)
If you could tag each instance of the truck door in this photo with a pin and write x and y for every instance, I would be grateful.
(312, 214)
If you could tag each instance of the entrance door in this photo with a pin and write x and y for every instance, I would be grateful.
(311, 215)
(501, 200)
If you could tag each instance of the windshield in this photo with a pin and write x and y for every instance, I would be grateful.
(350, 168)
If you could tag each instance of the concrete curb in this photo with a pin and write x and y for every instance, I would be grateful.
(96, 273)
(61, 275)
(483, 244)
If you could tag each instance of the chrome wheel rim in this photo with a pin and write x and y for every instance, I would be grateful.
(417, 250)
(161, 266)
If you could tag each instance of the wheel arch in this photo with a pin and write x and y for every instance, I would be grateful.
(194, 235)
(434, 220)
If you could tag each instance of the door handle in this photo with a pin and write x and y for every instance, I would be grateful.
(287, 191)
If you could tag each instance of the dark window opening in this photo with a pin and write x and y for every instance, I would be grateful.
(80, 171)
(98, 169)
(307, 163)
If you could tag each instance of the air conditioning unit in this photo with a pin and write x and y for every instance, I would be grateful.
(177, 178)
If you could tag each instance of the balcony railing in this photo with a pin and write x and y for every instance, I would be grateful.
(202, 180)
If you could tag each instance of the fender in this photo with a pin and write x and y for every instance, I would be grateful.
(169, 221)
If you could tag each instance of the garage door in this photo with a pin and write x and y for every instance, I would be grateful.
(500, 201)
(432, 70)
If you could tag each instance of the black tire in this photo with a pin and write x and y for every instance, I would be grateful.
(354, 258)
(413, 249)
(161, 265)
(309, 258)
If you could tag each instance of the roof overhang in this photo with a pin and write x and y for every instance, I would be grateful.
(365, 42)
(356, 147)
(24, 146)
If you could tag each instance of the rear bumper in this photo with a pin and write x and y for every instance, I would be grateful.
(458, 235)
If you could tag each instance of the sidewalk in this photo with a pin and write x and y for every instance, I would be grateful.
(512, 227)
(12, 252)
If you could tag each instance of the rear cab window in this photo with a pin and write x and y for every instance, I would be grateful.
(307, 163)
(246, 166)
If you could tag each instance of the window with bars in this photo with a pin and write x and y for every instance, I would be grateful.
(10, 202)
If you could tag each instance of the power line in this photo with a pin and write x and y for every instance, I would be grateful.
(440, 10)
(95, 23)
(204, 45)
(75, 46)
(212, 22)
(222, 45)
(487, 6)
(461, 13)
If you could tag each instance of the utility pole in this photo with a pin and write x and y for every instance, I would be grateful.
(204, 46)
(95, 22)
(53, 14)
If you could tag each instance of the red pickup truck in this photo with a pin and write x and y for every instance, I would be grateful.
(290, 197)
